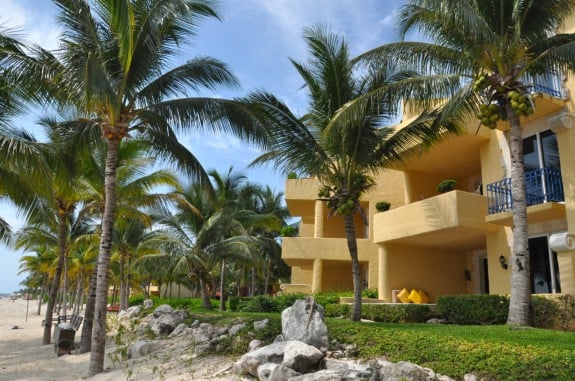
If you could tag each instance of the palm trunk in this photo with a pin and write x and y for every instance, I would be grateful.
(520, 312)
(253, 281)
(206, 303)
(268, 271)
(88, 324)
(78, 298)
(65, 286)
(123, 301)
(41, 297)
(62, 233)
(352, 247)
(99, 333)
(223, 286)
(128, 282)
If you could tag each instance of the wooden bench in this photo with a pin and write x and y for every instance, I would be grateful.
(65, 333)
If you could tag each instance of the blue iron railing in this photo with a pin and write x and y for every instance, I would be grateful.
(549, 83)
(541, 185)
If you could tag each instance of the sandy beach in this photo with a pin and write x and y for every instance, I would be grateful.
(24, 358)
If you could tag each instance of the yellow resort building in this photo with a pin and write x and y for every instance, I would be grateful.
(457, 242)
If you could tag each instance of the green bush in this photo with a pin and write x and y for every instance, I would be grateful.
(474, 309)
(396, 313)
(554, 312)
(287, 300)
(326, 298)
(136, 300)
(384, 313)
(382, 206)
(446, 185)
(338, 310)
(370, 293)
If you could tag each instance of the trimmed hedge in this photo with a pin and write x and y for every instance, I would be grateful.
(474, 309)
(552, 312)
(262, 303)
(384, 313)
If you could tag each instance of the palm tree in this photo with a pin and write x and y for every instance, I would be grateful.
(113, 66)
(491, 47)
(47, 200)
(342, 150)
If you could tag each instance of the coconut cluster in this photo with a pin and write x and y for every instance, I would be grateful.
(499, 93)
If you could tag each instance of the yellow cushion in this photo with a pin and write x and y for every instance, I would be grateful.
(424, 297)
(403, 296)
(418, 297)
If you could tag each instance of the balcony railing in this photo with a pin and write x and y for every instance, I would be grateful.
(541, 185)
(549, 83)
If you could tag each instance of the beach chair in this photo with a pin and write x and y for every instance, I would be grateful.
(64, 335)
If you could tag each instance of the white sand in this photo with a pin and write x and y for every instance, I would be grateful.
(24, 358)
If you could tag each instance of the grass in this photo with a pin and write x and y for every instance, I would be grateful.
(492, 352)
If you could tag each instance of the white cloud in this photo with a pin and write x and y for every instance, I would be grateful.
(34, 17)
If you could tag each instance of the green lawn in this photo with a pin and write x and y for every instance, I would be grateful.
(490, 351)
(453, 350)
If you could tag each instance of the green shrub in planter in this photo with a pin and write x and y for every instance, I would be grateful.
(382, 206)
(288, 231)
(474, 309)
(396, 313)
(370, 293)
(446, 186)
(292, 175)
(338, 310)
(554, 312)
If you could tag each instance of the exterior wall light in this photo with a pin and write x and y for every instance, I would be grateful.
(503, 262)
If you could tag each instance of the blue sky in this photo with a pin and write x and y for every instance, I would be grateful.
(255, 38)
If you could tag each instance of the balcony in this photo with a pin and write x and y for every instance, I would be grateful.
(542, 185)
(298, 249)
(543, 192)
(550, 83)
(453, 220)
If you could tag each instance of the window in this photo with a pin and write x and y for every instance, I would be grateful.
(544, 267)
(542, 168)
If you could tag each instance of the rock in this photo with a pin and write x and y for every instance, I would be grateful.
(148, 303)
(180, 330)
(203, 333)
(301, 357)
(163, 310)
(280, 373)
(260, 325)
(142, 348)
(389, 371)
(249, 362)
(341, 375)
(236, 328)
(436, 321)
(254, 344)
(130, 313)
(166, 319)
(304, 321)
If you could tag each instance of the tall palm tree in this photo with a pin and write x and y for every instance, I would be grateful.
(46, 199)
(342, 150)
(113, 66)
(491, 47)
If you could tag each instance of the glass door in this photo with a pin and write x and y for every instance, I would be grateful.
(544, 268)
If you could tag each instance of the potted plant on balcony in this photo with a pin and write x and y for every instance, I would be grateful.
(382, 206)
(446, 186)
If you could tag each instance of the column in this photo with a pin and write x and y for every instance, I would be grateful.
(383, 288)
(317, 275)
(318, 223)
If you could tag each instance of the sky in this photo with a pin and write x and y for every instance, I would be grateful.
(255, 38)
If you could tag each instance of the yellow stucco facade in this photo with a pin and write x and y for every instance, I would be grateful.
(457, 242)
